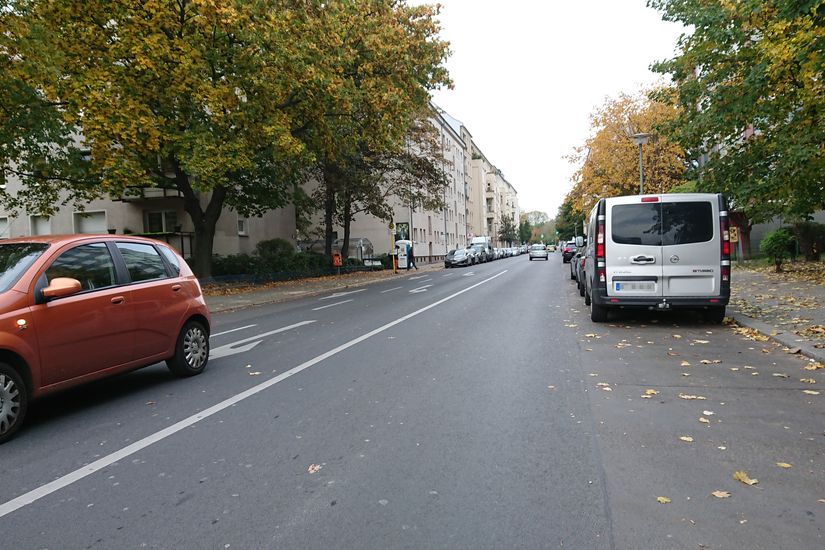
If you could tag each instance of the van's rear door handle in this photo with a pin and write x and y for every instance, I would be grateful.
(643, 260)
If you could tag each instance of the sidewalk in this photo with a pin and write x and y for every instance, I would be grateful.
(788, 311)
(228, 298)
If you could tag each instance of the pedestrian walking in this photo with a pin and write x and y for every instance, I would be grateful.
(410, 257)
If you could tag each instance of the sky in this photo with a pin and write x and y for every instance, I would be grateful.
(527, 75)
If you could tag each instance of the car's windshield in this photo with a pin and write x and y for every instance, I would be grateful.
(15, 258)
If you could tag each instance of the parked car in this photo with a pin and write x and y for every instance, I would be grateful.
(458, 257)
(485, 253)
(568, 251)
(83, 307)
(659, 252)
(537, 251)
(474, 254)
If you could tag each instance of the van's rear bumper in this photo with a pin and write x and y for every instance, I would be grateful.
(659, 302)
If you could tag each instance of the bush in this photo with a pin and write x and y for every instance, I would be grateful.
(234, 264)
(275, 255)
(777, 245)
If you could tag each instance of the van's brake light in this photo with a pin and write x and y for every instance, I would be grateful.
(650, 199)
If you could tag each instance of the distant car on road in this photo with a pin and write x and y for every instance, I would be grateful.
(537, 251)
(82, 307)
(568, 251)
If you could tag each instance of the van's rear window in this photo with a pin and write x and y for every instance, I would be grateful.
(662, 224)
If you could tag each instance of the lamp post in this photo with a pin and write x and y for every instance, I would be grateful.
(640, 140)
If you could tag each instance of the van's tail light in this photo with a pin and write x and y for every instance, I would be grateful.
(724, 230)
(600, 254)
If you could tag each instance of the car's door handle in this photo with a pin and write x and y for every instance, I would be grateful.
(643, 260)
(175, 288)
(117, 300)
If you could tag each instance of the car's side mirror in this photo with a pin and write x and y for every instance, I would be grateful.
(61, 286)
(579, 241)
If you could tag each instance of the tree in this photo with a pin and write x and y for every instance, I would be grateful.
(525, 229)
(227, 102)
(609, 160)
(748, 80)
(508, 232)
(569, 220)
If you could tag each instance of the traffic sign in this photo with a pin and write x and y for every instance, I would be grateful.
(733, 233)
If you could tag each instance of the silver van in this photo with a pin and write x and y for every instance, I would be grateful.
(658, 252)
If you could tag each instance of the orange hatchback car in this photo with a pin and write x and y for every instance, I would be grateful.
(77, 308)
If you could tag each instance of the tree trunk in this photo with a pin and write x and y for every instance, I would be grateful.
(347, 220)
(330, 186)
(203, 221)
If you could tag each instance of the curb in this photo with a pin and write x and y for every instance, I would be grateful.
(787, 339)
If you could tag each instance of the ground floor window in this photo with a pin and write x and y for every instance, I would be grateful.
(40, 225)
(90, 222)
(161, 221)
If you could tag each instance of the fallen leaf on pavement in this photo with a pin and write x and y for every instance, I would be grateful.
(701, 341)
(688, 396)
(721, 494)
(784, 465)
(794, 351)
(151, 402)
(780, 375)
(677, 336)
(607, 388)
(810, 392)
(821, 501)
(602, 384)
(590, 335)
(254, 373)
(651, 392)
(704, 420)
(673, 354)
(815, 366)
(705, 361)
(684, 364)
(734, 368)
(314, 468)
(662, 500)
(708, 413)
(685, 374)
(807, 380)
(742, 476)
(686, 438)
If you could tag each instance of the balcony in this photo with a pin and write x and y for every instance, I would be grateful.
(136, 194)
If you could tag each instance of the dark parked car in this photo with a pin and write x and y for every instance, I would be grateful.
(82, 307)
(568, 251)
(458, 257)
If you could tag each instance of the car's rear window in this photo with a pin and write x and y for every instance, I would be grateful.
(662, 224)
(538, 247)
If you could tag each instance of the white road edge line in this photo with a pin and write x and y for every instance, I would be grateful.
(330, 305)
(87, 470)
(232, 330)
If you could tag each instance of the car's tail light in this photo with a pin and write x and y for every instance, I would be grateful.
(600, 251)
(724, 231)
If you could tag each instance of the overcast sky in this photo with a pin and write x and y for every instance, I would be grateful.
(528, 74)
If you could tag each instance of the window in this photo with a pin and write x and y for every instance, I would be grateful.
(143, 261)
(4, 228)
(172, 258)
(40, 225)
(91, 264)
(164, 221)
(90, 222)
(663, 224)
(242, 227)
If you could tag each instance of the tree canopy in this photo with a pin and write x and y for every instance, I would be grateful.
(227, 102)
(608, 162)
(751, 90)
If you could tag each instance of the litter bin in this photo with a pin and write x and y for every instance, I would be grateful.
(337, 261)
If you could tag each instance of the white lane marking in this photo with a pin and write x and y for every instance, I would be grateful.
(339, 294)
(420, 289)
(391, 289)
(232, 330)
(425, 281)
(331, 305)
(418, 277)
(87, 470)
(244, 345)
(470, 274)
(446, 274)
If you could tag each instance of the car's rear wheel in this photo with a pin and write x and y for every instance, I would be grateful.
(14, 400)
(191, 350)
(598, 313)
(715, 315)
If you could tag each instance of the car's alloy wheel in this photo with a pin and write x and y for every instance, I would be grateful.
(191, 351)
(13, 401)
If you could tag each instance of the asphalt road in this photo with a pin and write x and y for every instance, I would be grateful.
(466, 408)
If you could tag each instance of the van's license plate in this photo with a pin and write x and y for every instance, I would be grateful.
(637, 286)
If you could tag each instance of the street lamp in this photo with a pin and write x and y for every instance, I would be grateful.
(640, 140)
